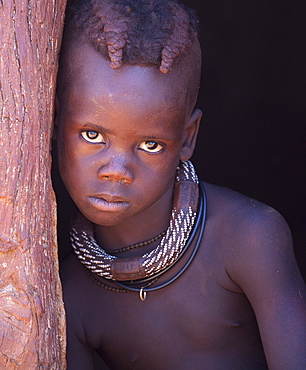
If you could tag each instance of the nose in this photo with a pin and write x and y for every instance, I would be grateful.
(116, 169)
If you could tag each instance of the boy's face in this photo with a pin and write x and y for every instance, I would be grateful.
(121, 134)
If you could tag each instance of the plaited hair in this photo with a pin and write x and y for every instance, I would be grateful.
(135, 32)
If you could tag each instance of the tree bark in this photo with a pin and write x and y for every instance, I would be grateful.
(32, 328)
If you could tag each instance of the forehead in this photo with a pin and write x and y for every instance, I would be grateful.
(84, 72)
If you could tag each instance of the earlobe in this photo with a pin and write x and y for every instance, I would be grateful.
(190, 135)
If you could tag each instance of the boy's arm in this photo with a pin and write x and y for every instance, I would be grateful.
(79, 355)
(264, 266)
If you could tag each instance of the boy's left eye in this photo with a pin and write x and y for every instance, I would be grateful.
(92, 137)
(151, 146)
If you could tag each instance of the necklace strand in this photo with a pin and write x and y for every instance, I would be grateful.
(136, 245)
(114, 289)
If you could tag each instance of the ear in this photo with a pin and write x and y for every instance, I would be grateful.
(190, 135)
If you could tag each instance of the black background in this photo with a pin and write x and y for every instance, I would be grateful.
(253, 94)
(253, 97)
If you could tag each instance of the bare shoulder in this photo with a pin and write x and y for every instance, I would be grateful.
(244, 218)
(254, 238)
(71, 269)
(75, 283)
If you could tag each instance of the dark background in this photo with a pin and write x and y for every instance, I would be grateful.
(253, 93)
(253, 97)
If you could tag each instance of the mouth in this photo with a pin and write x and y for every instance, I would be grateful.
(106, 202)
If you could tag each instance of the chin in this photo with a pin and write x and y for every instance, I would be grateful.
(105, 220)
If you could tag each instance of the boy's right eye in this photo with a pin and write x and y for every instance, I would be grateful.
(92, 137)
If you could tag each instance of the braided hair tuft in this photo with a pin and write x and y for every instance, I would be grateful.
(136, 32)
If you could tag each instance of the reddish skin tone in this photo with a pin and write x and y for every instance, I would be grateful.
(245, 263)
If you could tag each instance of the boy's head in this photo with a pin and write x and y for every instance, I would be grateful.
(130, 123)
(160, 33)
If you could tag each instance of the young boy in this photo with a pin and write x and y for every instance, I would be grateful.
(167, 272)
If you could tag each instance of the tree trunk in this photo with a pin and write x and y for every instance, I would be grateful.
(32, 329)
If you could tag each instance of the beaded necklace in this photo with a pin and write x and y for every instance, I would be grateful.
(136, 245)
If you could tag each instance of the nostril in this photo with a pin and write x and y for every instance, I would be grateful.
(113, 178)
(116, 171)
(105, 178)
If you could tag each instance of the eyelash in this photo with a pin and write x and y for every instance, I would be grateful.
(157, 147)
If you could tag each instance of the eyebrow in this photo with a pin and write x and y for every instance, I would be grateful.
(152, 137)
(95, 126)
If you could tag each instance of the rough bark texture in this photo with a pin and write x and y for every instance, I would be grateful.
(32, 327)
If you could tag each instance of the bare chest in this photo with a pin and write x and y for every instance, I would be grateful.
(189, 319)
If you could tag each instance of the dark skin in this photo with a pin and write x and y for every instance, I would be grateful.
(121, 134)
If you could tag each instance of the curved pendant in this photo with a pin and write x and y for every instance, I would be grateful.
(142, 294)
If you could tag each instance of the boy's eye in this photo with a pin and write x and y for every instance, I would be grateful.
(150, 146)
(93, 137)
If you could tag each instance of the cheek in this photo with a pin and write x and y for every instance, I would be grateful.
(164, 177)
(67, 161)
(67, 143)
(64, 158)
